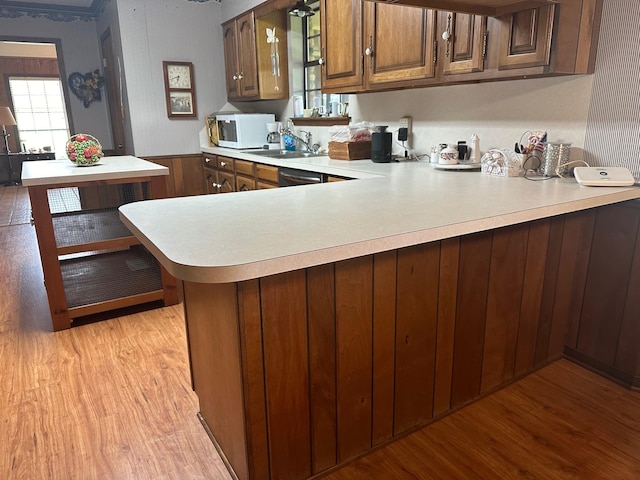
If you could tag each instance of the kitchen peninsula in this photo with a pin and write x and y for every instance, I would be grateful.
(326, 320)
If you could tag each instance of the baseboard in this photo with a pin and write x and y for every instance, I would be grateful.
(626, 380)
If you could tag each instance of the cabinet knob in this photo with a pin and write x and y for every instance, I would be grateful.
(321, 61)
(368, 51)
(240, 77)
(235, 77)
(223, 164)
(207, 160)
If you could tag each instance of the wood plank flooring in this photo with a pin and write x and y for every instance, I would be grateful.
(112, 400)
(15, 208)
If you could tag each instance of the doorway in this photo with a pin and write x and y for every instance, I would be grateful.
(30, 58)
(113, 85)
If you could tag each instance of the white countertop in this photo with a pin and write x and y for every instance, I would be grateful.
(243, 235)
(57, 172)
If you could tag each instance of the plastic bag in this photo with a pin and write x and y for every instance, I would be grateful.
(355, 132)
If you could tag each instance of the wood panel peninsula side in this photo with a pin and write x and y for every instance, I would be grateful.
(324, 321)
(91, 262)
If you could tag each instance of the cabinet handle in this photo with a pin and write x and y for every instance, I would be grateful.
(369, 52)
(446, 35)
(435, 52)
(484, 44)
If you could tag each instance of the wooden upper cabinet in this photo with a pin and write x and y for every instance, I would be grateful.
(466, 46)
(399, 44)
(272, 56)
(384, 45)
(525, 38)
(247, 56)
(240, 58)
(341, 32)
(230, 42)
(256, 57)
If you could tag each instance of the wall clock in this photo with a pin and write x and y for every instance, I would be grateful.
(179, 89)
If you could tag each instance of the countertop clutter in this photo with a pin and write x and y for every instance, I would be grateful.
(391, 206)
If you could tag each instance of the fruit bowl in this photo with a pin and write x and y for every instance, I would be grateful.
(84, 150)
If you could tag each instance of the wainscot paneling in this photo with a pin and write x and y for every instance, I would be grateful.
(341, 358)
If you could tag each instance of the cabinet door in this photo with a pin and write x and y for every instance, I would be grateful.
(341, 45)
(525, 38)
(271, 45)
(226, 182)
(247, 56)
(230, 43)
(465, 49)
(399, 44)
(244, 184)
(212, 184)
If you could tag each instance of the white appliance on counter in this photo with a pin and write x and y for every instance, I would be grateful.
(242, 130)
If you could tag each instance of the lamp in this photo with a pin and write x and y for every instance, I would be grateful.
(6, 118)
(301, 9)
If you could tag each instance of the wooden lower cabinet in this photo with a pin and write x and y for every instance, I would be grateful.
(185, 174)
(266, 176)
(323, 364)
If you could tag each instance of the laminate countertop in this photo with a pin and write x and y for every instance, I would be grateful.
(58, 172)
(243, 235)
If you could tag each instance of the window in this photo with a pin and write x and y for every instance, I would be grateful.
(312, 53)
(39, 108)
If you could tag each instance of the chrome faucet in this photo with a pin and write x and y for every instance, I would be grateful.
(304, 142)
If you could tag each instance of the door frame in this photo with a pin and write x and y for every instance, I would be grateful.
(63, 74)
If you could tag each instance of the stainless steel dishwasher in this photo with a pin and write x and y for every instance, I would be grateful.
(290, 177)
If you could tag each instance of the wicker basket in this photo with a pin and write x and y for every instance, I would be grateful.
(349, 150)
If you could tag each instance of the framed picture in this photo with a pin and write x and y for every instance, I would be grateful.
(179, 88)
(212, 130)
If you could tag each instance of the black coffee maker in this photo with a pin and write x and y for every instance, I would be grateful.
(381, 145)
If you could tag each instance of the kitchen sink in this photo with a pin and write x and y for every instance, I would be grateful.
(284, 154)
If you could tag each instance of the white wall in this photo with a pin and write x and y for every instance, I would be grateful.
(178, 30)
(498, 112)
(613, 127)
(108, 20)
(80, 51)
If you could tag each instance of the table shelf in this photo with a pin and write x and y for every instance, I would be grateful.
(108, 277)
(90, 230)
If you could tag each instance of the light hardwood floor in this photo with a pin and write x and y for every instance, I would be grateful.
(112, 400)
(107, 400)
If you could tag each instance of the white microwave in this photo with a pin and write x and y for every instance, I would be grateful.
(243, 130)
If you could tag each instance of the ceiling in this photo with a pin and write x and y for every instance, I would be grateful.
(59, 10)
